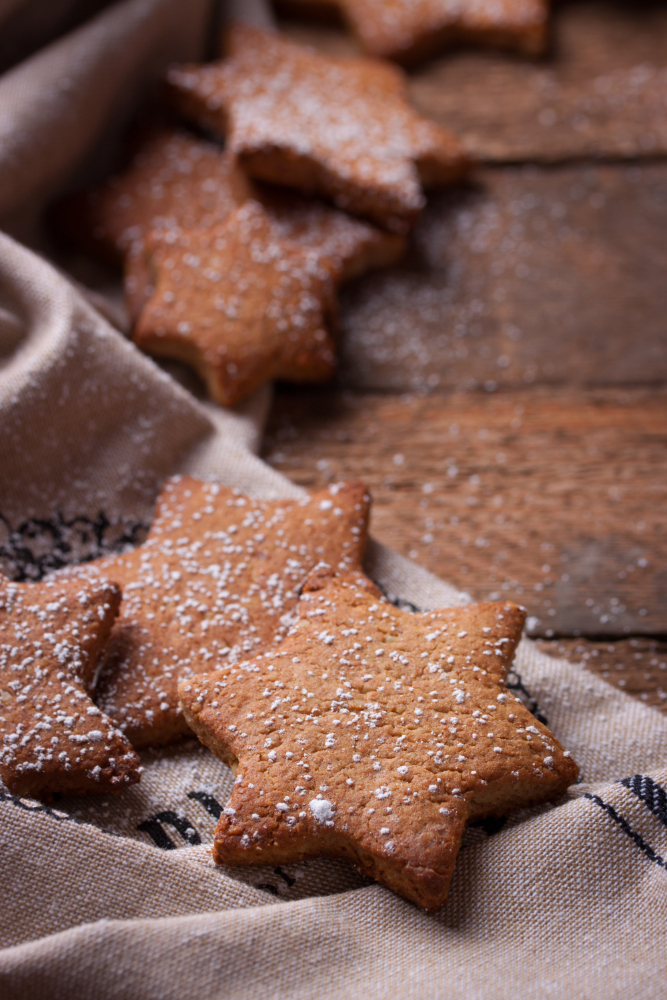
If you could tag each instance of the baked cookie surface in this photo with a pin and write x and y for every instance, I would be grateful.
(173, 181)
(341, 128)
(54, 739)
(374, 735)
(239, 304)
(217, 580)
(408, 30)
(177, 181)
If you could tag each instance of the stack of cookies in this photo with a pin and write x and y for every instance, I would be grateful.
(356, 730)
(233, 254)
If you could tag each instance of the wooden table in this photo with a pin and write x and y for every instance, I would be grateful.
(503, 389)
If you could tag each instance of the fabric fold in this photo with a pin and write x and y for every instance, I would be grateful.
(501, 932)
(55, 104)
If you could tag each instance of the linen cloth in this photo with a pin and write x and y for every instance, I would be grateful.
(117, 897)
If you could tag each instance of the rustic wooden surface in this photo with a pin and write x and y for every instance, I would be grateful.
(600, 92)
(503, 389)
(527, 275)
(557, 499)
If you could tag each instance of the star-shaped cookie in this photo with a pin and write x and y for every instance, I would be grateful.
(337, 127)
(408, 30)
(176, 181)
(217, 580)
(240, 304)
(173, 181)
(53, 738)
(374, 735)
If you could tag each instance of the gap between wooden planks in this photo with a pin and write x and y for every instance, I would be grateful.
(551, 496)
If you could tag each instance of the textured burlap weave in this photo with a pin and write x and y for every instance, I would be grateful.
(118, 898)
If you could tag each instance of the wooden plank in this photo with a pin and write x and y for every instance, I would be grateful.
(638, 666)
(601, 92)
(533, 275)
(555, 498)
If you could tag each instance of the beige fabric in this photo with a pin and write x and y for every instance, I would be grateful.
(565, 901)
(556, 906)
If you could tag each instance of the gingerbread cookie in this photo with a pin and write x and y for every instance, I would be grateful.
(176, 181)
(173, 182)
(352, 245)
(239, 304)
(337, 127)
(54, 739)
(216, 581)
(408, 30)
(374, 735)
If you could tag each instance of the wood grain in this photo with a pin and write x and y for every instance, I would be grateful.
(555, 498)
(600, 92)
(530, 275)
(637, 666)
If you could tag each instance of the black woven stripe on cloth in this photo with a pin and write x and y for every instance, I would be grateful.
(651, 794)
(627, 829)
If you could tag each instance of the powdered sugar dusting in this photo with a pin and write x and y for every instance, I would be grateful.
(53, 737)
(345, 122)
(322, 810)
